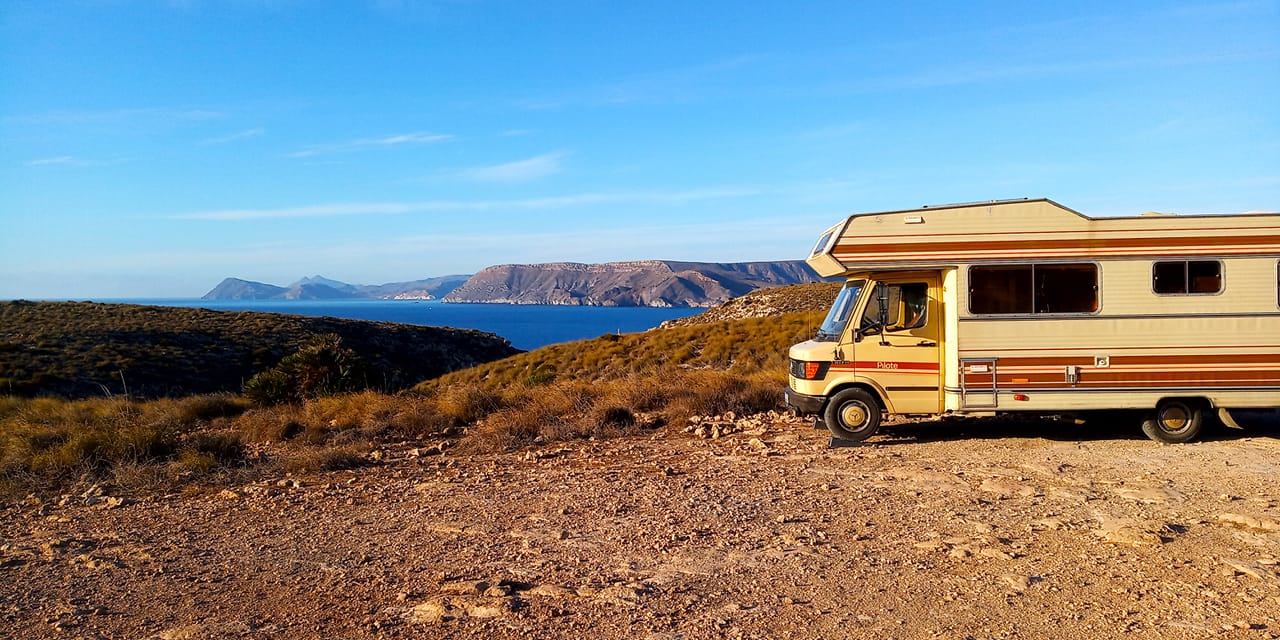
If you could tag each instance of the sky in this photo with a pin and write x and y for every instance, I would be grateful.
(152, 148)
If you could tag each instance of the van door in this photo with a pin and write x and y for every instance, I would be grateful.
(903, 356)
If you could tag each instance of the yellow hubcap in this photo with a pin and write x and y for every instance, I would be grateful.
(853, 415)
(1174, 418)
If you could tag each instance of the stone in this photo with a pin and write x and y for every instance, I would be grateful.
(1251, 569)
(429, 612)
(550, 591)
(1249, 522)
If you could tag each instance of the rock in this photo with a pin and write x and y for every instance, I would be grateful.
(550, 591)
(931, 545)
(1249, 522)
(1154, 495)
(1131, 532)
(492, 609)
(1047, 524)
(465, 587)
(1251, 569)
(429, 612)
(995, 553)
(113, 503)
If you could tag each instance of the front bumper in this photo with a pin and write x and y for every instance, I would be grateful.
(803, 404)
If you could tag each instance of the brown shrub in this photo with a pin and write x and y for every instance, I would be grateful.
(206, 408)
(417, 417)
(467, 402)
(272, 424)
(706, 393)
(311, 460)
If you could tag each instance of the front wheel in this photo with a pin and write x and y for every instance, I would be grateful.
(1175, 422)
(852, 414)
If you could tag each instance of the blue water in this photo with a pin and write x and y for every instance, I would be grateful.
(526, 326)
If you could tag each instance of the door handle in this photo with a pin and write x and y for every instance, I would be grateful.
(926, 343)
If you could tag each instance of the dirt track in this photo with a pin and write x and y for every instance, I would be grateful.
(987, 530)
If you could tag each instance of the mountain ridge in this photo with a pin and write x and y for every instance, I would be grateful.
(631, 283)
(636, 283)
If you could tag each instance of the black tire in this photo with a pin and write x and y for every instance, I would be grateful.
(1174, 422)
(852, 414)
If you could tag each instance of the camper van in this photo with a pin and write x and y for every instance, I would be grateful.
(1025, 306)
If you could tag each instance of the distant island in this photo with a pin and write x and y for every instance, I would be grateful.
(322, 288)
(646, 283)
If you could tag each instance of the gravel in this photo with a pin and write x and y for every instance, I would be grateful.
(930, 530)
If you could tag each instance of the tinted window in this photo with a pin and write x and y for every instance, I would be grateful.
(1038, 288)
(1186, 276)
(1066, 288)
(1003, 289)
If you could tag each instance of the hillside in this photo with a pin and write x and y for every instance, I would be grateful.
(650, 283)
(813, 299)
(84, 349)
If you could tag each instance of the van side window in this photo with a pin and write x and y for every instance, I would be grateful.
(1033, 288)
(908, 306)
(1182, 277)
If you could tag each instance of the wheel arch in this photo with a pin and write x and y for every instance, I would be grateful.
(875, 392)
(1203, 402)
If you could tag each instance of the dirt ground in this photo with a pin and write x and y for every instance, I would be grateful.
(930, 530)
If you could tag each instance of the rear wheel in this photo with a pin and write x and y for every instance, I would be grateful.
(1175, 421)
(852, 414)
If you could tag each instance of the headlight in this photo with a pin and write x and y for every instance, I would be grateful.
(809, 370)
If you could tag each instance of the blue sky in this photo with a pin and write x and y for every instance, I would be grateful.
(150, 148)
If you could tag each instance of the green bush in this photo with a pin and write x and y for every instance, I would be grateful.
(321, 368)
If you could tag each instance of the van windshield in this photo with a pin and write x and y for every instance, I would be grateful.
(840, 312)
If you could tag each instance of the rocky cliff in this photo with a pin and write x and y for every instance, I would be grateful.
(649, 283)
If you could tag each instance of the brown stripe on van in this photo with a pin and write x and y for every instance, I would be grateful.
(1160, 246)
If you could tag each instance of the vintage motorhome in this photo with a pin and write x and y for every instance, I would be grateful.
(1027, 306)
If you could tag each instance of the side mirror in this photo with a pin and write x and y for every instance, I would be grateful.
(882, 293)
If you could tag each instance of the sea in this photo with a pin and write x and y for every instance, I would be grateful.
(527, 327)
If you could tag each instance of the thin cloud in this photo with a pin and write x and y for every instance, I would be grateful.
(114, 117)
(237, 136)
(446, 206)
(372, 143)
(526, 170)
(57, 160)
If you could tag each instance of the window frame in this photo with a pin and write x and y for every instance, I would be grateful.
(897, 306)
(1097, 289)
(1186, 277)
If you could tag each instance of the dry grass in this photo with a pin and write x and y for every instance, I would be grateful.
(600, 388)
(48, 444)
(738, 346)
